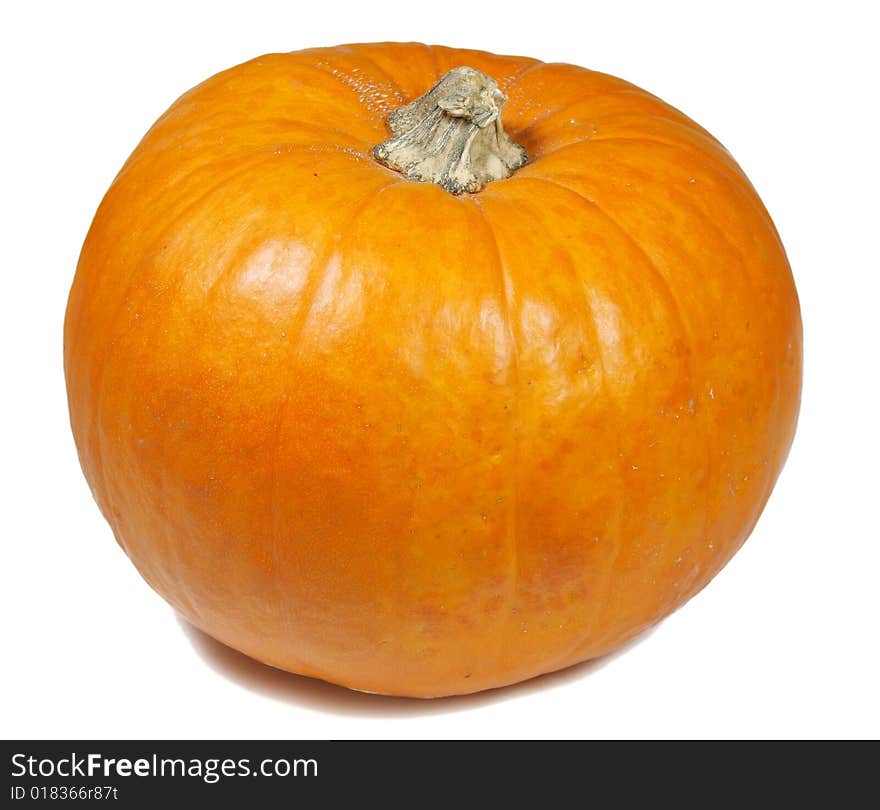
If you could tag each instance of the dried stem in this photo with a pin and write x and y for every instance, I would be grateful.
(453, 135)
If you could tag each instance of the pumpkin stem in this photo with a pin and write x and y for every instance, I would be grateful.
(453, 135)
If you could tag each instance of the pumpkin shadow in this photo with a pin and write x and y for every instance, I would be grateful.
(287, 687)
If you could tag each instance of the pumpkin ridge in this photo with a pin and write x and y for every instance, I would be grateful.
(113, 330)
(600, 604)
(584, 637)
(674, 307)
(537, 63)
(295, 331)
(683, 329)
(698, 212)
(117, 332)
(682, 122)
(663, 283)
(688, 126)
(562, 109)
(770, 470)
(219, 121)
(343, 81)
(356, 103)
(506, 297)
(742, 185)
(196, 140)
(364, 55)
(114, 188)
(695, 211)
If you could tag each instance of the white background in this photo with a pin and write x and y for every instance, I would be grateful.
(784, 643)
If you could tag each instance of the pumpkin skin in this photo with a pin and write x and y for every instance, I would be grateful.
(420, 444)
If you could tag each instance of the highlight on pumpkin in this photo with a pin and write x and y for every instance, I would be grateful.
(425, 443)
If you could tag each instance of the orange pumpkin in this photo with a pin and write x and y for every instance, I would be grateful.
(426, 438)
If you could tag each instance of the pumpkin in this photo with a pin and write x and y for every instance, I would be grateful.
(380, 386)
